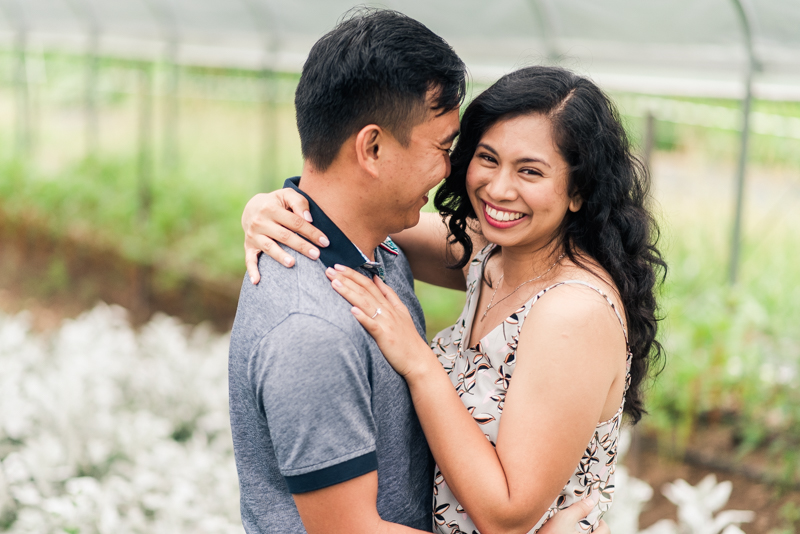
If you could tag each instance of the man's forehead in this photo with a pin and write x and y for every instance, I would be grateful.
(443, 126)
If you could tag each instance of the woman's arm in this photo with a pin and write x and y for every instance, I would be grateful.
(568, 367)
(428, 252)
(282, 217)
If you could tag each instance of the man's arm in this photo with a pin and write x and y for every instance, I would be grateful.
(346, 508)
(428, 252)
(316, 394)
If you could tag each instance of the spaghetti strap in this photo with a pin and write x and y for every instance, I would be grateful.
(598, 290)
(629, 355)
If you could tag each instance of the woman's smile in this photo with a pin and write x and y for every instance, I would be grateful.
(500, 218)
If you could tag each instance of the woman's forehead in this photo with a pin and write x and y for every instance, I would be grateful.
(529, 135)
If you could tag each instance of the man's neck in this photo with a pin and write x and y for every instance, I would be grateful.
(345, 205)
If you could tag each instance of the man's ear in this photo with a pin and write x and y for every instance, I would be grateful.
(369, 146)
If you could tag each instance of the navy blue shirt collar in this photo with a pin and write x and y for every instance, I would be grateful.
(341, 250)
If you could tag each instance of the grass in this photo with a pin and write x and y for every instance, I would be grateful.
(730, 351)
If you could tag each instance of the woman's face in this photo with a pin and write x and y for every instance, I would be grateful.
(517, 183)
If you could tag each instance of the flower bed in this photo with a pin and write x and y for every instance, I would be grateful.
(106, 429)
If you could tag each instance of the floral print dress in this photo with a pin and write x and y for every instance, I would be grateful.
(482, 375)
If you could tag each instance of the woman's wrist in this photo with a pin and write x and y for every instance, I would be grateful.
(424, 366)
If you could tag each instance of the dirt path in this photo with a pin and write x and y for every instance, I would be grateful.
(63, 275)
(766, 501)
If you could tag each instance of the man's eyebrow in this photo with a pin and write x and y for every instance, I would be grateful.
(518, 161)
(450, 138)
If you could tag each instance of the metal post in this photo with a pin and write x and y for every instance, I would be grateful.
(85, 11)
(752, 65)
(269, 127)
(172, 110)
(22, 116)
(145, 159)
(265, 24)
(22, 93)
(164, 13)
(649, 140)
(544, 13)
(92, 121)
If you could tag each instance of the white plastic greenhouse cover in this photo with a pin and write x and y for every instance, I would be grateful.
(692, 47)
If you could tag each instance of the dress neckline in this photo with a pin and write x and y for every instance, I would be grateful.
(474, 295)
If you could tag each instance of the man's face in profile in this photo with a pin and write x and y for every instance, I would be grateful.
(417, 168)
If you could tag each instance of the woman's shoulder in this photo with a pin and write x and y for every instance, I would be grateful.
(580, 297)
(588, 275)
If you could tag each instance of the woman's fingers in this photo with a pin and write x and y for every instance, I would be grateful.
(251, 262)
(361, 280)
(295, 224)
(353, 292)
(279, 216)
(388, 293)
(274, 231)
(370, 325)
(566, 520)
(295, 202)
(271, 249)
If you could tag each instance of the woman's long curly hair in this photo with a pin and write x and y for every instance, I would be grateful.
(613, 226)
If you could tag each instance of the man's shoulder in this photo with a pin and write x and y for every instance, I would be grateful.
(299, 299)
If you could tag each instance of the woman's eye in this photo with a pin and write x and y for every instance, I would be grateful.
(487, 157)
(530, 172)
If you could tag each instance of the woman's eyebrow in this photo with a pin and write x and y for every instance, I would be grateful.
(532, 160)
(520, 160)
(487, 147)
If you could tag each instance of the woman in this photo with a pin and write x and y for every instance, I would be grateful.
(558, 329)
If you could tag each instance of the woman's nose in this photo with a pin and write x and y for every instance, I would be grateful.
(500, 186)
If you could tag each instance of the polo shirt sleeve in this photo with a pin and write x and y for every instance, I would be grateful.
(313, 386)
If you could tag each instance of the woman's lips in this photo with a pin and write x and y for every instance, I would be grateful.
(496, 212)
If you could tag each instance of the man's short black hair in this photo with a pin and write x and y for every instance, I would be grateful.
(374, 67)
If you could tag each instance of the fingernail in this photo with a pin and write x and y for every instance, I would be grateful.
(307, 216)
(324, 241)
(355, 311)
(336, 283)
(287, 261)
(594, 497)
(314, 253)
(330, 272)
(339, 268)
(252, 280)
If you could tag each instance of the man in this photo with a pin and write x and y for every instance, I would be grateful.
(325, 434)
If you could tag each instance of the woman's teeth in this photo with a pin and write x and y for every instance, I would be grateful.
(503, 215)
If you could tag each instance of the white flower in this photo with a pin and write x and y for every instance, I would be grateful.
(696, 505)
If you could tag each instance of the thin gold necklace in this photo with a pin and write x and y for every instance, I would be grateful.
(491, 302)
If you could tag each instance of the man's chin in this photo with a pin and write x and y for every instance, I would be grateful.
(412, 220)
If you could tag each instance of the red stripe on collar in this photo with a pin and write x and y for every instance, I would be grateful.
(387, 248)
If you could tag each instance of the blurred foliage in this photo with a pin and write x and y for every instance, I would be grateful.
(733, 353)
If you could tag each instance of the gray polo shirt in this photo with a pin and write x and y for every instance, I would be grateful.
(313, 402)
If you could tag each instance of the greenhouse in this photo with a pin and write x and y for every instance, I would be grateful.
(133, 132)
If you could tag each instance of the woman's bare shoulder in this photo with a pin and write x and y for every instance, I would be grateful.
(589, 271)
